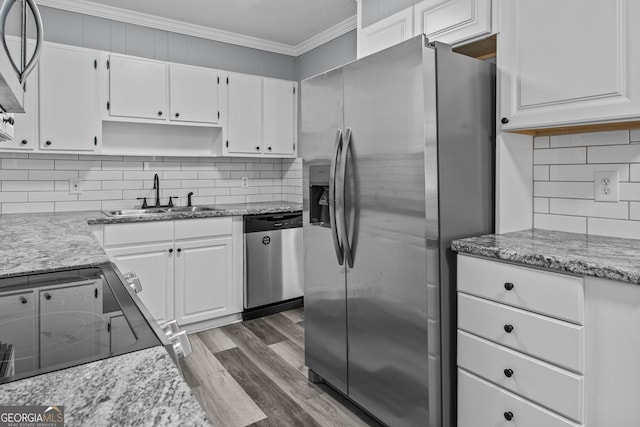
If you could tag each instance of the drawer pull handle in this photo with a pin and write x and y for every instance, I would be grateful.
(508, 415)
(508, 373)
(508, 328)
(508, 286)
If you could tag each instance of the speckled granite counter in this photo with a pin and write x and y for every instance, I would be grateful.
(54, 241)
(143, 388)
(605, 257)
(221, 210)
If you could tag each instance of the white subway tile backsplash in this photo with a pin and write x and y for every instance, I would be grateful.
(560, 156)
(614, 227)
(541, 142)
(40, 183)
(572, 224)
(27, 185)
(541, 205)
(614, 154)
(630, 191)
(634, 210)
(635, 135)
(26, 164)
(571, 190)
(589, 139)
(9, 208)
(585, 172)
(590, 208)
(541, 173)
(634, 174)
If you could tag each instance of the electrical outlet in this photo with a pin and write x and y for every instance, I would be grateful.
(75, 186)
(245, 182)
(606, 186)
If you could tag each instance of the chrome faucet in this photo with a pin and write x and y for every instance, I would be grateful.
(156, 186)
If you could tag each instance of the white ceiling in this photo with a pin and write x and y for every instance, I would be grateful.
(289, 22)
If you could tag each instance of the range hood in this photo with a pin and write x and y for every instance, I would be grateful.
(12, 75)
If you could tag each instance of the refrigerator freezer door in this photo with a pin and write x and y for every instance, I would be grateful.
(324, 279)
(386, 288)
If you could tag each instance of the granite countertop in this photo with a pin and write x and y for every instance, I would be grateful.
(44, 242)
(142, 388)
(598, 256)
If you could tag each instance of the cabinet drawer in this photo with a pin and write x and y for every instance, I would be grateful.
(551, 387)
(203, 227)
(137, 232)
(556, 295)
(552, 340)
(481, 403)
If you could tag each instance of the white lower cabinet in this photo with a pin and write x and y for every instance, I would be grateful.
(153, 263)
(188, 268)
(518, 365)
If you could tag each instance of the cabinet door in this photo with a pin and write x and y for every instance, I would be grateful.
(24, 130)
(452, 21)
(245, 114)
(69, 117)
(193, 94)
(385, 33)
(279, 111)
(204, 280)
(137, 88)
(549, 76)
(17, 327)
(72, 324)
(154, 266)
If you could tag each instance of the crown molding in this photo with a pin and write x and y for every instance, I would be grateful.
(175, 26)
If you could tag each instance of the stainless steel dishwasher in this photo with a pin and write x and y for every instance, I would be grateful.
(273, 263)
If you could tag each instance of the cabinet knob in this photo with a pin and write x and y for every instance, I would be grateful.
(170, 251)
(508, 415)
(508, 328)
(48, 143)
(23, 300)
(504, 121)
(508, 373)
(47, 296)
(179, 250)
(24, 142)
(159, 113)
(508, 286)
(177, 114)
(269, 148)
(258, 148)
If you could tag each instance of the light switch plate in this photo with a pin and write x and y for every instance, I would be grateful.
(606, 187)
(75, 186)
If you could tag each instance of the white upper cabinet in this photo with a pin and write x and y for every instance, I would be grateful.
(279, 115)
(571, 62)
(452, 21)
(137, 88)
(193, 94)
(24, 130)
(386, 32)
(69, 118)
(244, 127)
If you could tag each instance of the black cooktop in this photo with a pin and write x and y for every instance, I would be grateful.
(51, 321)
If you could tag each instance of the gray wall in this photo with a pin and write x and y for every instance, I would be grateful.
(332, 54)
(375, 10)
(76, 29)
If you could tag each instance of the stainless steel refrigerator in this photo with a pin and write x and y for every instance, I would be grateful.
(397, 152)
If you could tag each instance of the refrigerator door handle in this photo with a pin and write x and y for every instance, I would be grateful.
(332, 199)
(343, 215)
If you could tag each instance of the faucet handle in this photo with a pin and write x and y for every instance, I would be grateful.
(170, 205)
(189, 198)
(144, 202)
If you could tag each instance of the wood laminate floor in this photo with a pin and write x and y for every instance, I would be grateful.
(253, 374)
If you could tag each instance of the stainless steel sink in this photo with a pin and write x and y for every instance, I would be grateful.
(181, 209)
(158, 211)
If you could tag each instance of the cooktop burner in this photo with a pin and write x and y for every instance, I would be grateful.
(52, 321)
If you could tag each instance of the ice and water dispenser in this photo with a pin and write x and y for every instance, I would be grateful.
(319, 195)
